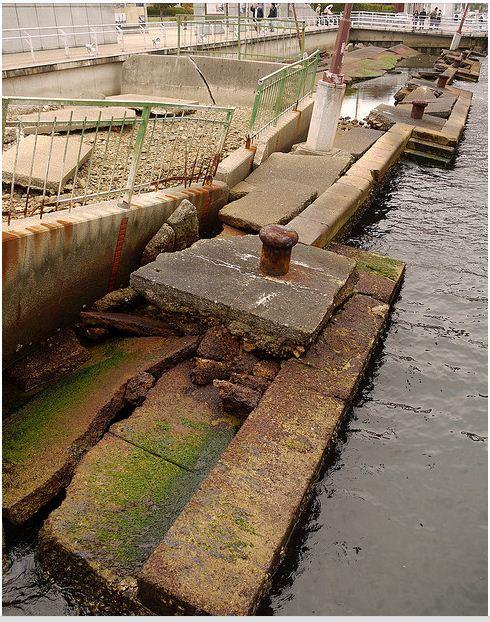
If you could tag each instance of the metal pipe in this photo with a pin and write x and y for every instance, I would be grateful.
(460, 27)
(334, 75)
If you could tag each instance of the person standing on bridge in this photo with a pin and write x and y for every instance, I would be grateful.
(415, 19)
(318, 12)
(272, 14)
(422, 16)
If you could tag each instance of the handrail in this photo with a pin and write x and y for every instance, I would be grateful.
(148, 145)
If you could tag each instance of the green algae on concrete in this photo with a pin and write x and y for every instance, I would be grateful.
(128, 489)
(218, 555)
(366, 261)
(45, 438)
(180, 422)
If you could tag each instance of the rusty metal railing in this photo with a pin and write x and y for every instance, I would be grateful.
(67, 153)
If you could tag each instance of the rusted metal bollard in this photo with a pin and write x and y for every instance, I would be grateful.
(418, 107)
(442, 81)
(277, 244)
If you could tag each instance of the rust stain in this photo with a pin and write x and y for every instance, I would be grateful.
(117, 254)
(68, 228)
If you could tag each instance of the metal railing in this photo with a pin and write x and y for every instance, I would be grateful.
(88, 150)
(243, 38)
(408, 23)
(281, 91)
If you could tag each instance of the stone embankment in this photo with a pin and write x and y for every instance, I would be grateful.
(202, 399)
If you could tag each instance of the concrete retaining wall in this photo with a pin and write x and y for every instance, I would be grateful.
(230, 81)
(55, 266)
(429, 42)
(89, 78)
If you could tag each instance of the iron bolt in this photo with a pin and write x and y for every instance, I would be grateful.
(277, 245)
(418, 107)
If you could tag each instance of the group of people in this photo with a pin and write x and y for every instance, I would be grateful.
(323, 17)
(419, 19)
(257, 11)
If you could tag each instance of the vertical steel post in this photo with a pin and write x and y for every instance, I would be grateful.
(239, 35)
(178, 35)
(136, 156)
(458, 34)
(334, 75)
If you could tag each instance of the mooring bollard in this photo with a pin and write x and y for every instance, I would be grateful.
(418, 107)
(442, 81)
(277, 244)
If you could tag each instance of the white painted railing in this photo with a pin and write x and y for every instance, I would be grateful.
(408, 23)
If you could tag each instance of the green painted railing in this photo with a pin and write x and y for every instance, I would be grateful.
(281, 91)
(72, 152)
(266, 39)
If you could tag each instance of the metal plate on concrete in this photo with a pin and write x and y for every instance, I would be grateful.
(33, 166)
(219, 280)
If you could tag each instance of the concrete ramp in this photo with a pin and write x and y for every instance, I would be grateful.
(75, 118)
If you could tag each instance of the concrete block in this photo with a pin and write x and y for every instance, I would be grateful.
(277, 203)
(220, 277)
(310, 232)
(76, 118)
(53, 170)
(235, 167)
(318, 172)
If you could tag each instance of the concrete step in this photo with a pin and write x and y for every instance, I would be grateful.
(45, 439)
(418, 144)
(424, 155)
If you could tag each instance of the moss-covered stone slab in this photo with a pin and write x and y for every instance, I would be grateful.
(218, 555)
(344, 347)
(367, 261)
(46, 437)
(180, 422)
(129, 488)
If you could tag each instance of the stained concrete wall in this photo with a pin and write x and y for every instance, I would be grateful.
(85, 78)
(424, 41)
(53, 267)
(230, 81)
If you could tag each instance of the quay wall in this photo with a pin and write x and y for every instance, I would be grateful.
(55, 266)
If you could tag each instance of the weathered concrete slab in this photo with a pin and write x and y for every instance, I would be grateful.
(130, 488)
(173, 110)
(389, 115)
(218, 556)
(403, 50)
(45, 439)
(440, 107)
(76, 118)
(220, 279)
(50, 170)
(357, 140)
(319, 172)
(379, 276)
(343, 349)
(277, 203)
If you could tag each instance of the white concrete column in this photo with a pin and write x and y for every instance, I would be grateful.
(325, 116)
(456, 41)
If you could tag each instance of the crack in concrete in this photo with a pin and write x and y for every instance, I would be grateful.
(203, 78)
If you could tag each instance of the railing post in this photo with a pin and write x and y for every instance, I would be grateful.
(255, 109)
(280, 95)
(178, 34)
(136, 156)
(303, 42)
(239, 32)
